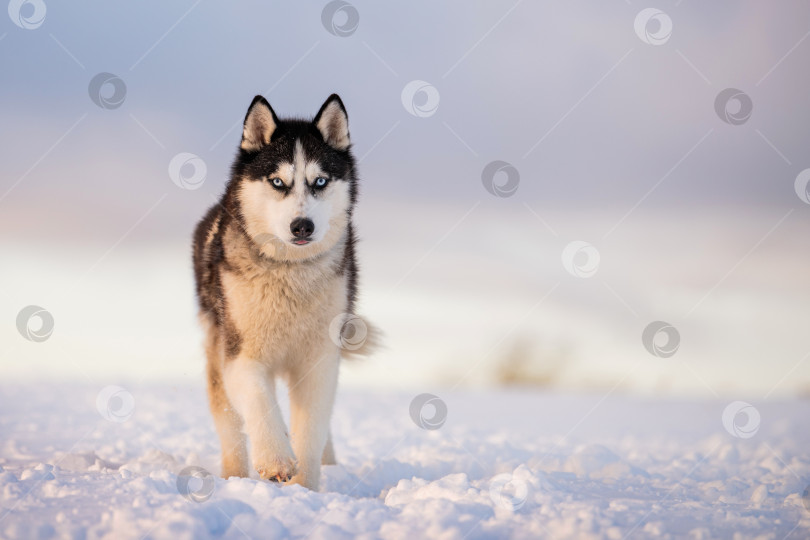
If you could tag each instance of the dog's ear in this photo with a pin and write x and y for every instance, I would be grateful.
(260, 123)
(333, 123)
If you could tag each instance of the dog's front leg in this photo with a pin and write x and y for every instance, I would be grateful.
(312, 395)
(252, 391)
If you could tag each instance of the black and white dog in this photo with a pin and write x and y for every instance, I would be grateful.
(276, 278)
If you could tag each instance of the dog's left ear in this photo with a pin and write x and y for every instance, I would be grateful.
(333, 123)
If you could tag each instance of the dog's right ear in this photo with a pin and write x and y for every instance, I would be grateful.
(260, 123)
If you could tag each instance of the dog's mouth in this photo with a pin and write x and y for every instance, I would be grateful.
(302, 241)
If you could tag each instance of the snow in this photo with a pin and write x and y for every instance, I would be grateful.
(88, 461)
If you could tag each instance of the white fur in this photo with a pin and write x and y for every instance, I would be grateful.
(272, 311)
(253, 395)
(267, 211)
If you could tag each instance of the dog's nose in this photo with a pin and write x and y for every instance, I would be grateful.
(302, 227)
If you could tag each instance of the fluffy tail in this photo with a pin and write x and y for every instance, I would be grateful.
(355, 336)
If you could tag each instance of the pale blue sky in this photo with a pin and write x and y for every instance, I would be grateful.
(614, 113)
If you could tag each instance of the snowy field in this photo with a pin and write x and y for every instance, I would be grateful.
(652, 173)
(91, 462)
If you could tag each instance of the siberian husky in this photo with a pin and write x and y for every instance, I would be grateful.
(274, 263)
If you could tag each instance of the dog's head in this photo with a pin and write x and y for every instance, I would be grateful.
(295, 181)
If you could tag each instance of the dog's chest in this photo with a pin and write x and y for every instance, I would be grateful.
(281, 306)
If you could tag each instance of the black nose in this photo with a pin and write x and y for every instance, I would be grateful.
(302, 227)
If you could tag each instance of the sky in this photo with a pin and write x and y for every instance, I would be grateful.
(609, 117)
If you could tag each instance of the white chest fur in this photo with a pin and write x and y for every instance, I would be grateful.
(282, 311)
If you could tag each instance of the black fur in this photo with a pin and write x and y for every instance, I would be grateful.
(210, 257)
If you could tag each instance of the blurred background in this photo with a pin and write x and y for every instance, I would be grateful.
(561, 195)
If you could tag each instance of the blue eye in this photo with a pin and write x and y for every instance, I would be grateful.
(321, 181)
(277, 182)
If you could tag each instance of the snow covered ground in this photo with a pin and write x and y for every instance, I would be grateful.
(86, 461)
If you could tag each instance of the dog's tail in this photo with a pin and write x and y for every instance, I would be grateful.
(355, 336)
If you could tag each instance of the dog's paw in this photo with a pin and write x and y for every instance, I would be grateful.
(308, 479)
(277, 469)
